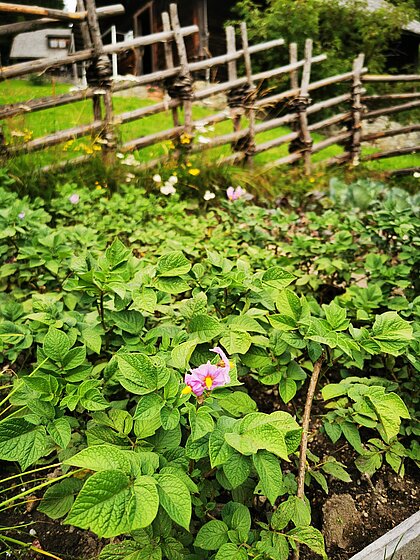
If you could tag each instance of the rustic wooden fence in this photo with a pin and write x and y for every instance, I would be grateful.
(246, 101)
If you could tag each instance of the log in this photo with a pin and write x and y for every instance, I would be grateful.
(335, 160)
(232, 159)
(183, 59)
(151, 139)
(388, 96)
(7, 111)
(50, 140)
(224, 86)
(169, 59)
(390, 110)
(392, 153)
(356, 125)
(40, 11)
(391, 78)
(291, 158)
(250, 109)
(63, 164)
(109, 142)
(316, 107)
(23, 26)
(84, 28)
(404, 172)
(235, 112)
(305, 136)
(271, 100)
(330, 141)
(264, 146)
(220, 140)
(336, 119)
(387, 133)
(293, 58)
(42, 64)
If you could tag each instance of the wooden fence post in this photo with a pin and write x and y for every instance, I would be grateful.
(169, 59)
(356, 108)
(99, 75)
(304, 142)
(234, 101)
(249, 104)
(293, 58)
(182, 85)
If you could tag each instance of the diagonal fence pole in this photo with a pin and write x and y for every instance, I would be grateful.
(183, 84)
(249, 148)
(356, 108)
(99, 75)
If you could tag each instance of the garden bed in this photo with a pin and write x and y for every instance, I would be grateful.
(160, 351)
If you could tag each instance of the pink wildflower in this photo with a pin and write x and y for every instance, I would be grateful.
(21, 215)
(236, 194)
(208, 376)
(74, 198)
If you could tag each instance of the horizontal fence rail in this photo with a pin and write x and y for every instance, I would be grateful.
(247, 107)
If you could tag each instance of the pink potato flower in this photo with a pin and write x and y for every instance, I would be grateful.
(74, 198)
(237, 194)
(208, 376)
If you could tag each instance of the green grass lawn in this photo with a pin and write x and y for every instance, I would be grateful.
(46, 122)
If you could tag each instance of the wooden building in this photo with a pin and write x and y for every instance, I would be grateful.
(144, 17)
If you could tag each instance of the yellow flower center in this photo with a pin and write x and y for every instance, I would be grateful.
(208, 382)
(186, 390)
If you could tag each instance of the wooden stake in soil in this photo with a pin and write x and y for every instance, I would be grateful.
(356, 108)
(250, 109)
(305, 429)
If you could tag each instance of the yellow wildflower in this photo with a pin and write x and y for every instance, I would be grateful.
(194, 171)
(185, 138)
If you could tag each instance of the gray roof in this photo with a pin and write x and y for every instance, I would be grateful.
(35, 44)
(412, 26)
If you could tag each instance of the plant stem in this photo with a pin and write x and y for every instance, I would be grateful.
(30, 546)
(29, 472)
(38, 487)
(305, 429)
(19, 385)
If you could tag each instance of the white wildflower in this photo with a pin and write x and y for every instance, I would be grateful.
(168, 189)
(157, 178)
(209, 195)
(201, 128)
(203, 140)
(416, 175)
(120, 155)
(173, 180)
(32, 532)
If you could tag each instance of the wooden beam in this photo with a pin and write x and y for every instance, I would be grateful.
(392, 153)
(387, 133)
(40, 11)
(390, 78)
(24, 26)
(42, 64)
(390, 110)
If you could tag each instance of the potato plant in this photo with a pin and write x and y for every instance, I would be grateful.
(130, 324)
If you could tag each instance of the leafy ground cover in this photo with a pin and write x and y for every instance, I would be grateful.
(33, 125)
(157, 352)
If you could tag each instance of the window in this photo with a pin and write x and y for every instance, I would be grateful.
(58, 42)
